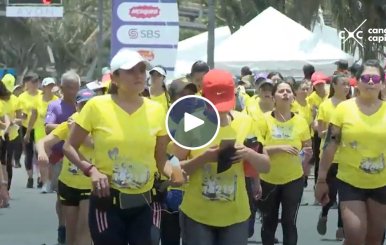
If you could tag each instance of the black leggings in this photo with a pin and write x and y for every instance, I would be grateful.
(170, 228)
(29, 149)
(316, 152)
(17, 147)
(6, 154)
(332, 182)
(289, 196)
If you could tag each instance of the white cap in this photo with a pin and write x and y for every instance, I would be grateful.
(158, 69)
(95, 85)
(126, 59)
(47, 81)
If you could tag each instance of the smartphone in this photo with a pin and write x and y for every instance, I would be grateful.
(227, 143)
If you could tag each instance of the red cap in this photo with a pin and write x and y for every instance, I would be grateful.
(318, 78)
(353, 82)
(219, 88)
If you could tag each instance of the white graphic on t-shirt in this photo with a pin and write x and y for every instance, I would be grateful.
(373, 165)
(282, 132)
(127, 174)
(73, 169)
(219, 187)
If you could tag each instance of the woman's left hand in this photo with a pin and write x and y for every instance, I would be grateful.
(241, 153)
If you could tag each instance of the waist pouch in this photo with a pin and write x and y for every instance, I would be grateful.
(174, 200)
(122, 200)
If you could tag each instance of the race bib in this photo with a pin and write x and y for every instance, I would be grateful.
(280, 132)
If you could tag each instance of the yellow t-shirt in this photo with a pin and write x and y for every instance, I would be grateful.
(28, 103)
(303, 111)
(219, 199)
(362, 149)
(162, 99)
(285, 167)
(325, 112)
(40, 131)
(315, 100)
(70, 174)
(124, 144)
(10, 107)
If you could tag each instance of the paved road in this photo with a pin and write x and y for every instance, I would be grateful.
(31, 219)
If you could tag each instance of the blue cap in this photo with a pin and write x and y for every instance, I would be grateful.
(84, 95)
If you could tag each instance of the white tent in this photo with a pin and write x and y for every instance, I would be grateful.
(274, 42)
(195, 48)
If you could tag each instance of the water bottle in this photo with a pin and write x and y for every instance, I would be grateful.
(253, 143)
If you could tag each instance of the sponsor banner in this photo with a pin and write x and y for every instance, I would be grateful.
(147, 35)
(140, 11)
(149, 27)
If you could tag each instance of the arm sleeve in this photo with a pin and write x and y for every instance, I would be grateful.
(61, 131)
(86, 117)
(338, 115)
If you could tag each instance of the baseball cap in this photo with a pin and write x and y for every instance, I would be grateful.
(126, 59)
(158, 69)
(266, 81)
(9, 81)
(318, 78)
(218, 87)
(95, 85)
(47, 81)
(84, 95)
(178, 85)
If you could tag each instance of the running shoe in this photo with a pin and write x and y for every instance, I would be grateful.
(40, 183)
(62, 235)
(30, 183)
(17, 165)
(339, 234)
(322, 225)
(47, 188)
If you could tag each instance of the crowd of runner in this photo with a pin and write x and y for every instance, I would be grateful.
(104, 149)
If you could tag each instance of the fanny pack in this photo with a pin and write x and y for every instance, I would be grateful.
(122, 200)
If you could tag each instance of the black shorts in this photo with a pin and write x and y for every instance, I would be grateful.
(70, 196)
(348, 192)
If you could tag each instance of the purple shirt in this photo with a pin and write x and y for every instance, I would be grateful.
(59, 111)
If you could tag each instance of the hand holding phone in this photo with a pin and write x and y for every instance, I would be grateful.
(226, 154)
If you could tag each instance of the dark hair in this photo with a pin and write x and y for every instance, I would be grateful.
(290, 79)
(342, 64)
(199, 66)
(335, 80)
(298, 84)
(31, 77)
(274, 73)
(277, 85)
(4, 93)
(113, 88)
(354, 68)
(371, 63)
(245, 71)
(308, 70)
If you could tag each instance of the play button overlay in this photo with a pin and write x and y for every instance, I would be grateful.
(192, 122)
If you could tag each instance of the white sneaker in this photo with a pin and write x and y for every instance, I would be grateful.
(46, 188)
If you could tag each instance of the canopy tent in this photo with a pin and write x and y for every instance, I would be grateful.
(273, 42)
(195, 48)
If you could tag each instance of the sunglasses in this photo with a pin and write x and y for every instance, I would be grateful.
(375, 78)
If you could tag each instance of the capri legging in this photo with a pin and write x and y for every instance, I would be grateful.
(29, 149)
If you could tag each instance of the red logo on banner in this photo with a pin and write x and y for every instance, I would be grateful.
(144, 12)
(147, 54)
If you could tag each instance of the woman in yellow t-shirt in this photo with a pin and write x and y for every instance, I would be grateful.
(130, 143)
(46, 97)
(358, 129)
(29, 102)
(73, 188)
(215, 208)
(157, 89)
(287, 140)
(339, 92)
(257, 106)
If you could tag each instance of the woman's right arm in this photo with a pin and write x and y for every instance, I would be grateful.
(330, 147)
(191, 165)
(44, 146)
(322, 128)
